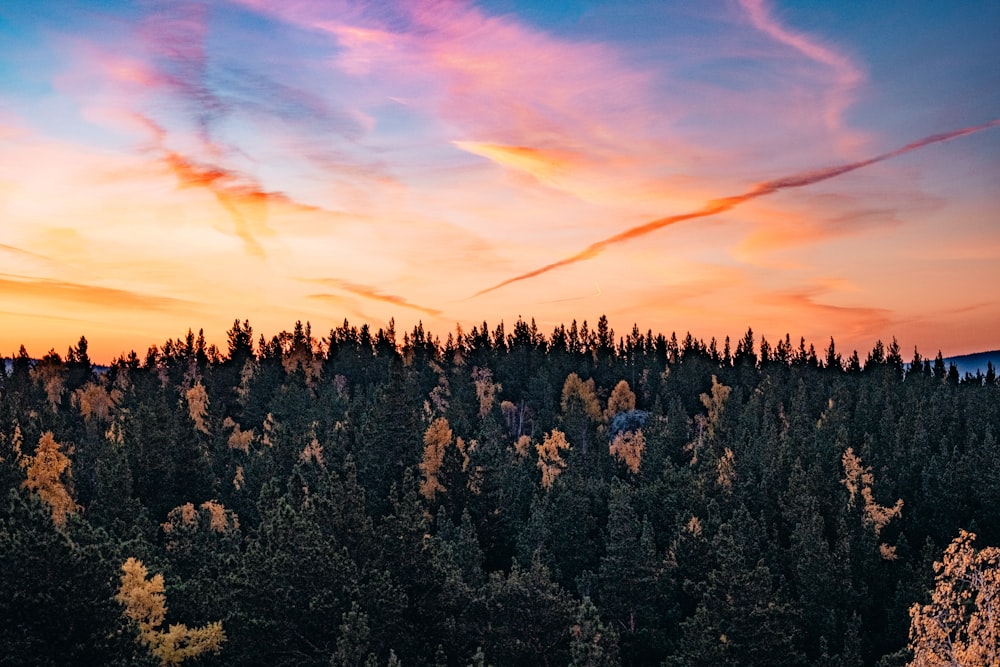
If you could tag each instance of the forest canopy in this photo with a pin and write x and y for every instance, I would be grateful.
(498, 498)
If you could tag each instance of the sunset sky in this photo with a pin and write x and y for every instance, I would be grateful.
(174, 165)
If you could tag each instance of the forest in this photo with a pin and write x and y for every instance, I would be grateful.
(499, 497)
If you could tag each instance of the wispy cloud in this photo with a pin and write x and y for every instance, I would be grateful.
(78, 293)
(784, 228)
(173, 78)
(846, 74)
(479, 66)
(21, 252)
(491, 85)
(175, 36)
(718, 206)
(548, 166)
(368, 292)
(820, 317)
(242, 198)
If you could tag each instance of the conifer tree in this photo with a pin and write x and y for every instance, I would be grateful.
(593, 644)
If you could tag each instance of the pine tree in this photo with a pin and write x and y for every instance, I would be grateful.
(57, 590)
(352, 645)
(593, 644)
(527, 618)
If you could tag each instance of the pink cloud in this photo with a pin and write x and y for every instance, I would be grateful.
(600, 126)
(491, 81)
(158, 81)
(846, 75)
(492, 84)
(116, 89)
(243, 198)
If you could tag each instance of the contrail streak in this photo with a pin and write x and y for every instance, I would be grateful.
(716, 206)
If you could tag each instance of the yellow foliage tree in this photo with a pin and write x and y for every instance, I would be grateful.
(706, 425)
(50, 373)
(628, 447)
(197, 400)
(521, 446)
(15, 443)
(271, 429)
(465, 449)
(238, 439)
(184, 518)
(622, 399)
(246, 379)
(220, 520)
(580, 409)
(437, 437)
(94, 401)
(574, 389)
(693, 526)
(853, 474)
(726, 470)
(46, 471)
(486, 389)
(440, 395)
(550, 458)
(146, 605)
(858, 480)
(961, 625)
(312, 453)
(714, 404)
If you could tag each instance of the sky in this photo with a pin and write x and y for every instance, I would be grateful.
(817, 168)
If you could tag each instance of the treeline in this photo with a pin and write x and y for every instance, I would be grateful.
(499, 498)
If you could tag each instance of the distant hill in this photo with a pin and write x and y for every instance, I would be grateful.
(8, 365)
(976, 362)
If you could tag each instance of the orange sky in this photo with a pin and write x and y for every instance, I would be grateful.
(186, 164)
